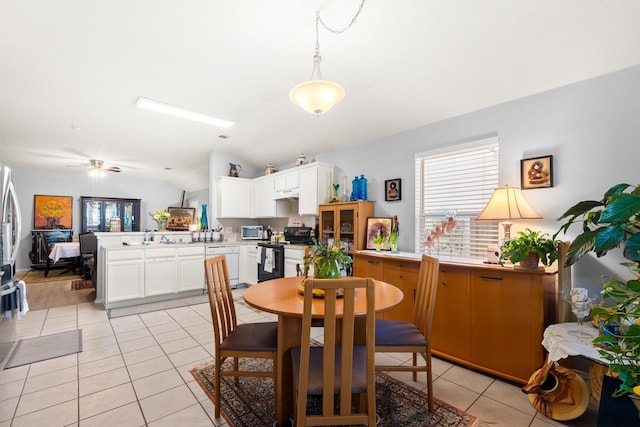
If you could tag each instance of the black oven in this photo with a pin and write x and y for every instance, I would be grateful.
(270, 261)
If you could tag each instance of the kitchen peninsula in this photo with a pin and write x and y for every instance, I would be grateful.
(487, 317)
(132, 272)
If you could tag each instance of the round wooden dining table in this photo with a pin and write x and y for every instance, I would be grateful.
(282, 297)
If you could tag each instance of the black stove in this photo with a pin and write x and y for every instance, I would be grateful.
(298, 235)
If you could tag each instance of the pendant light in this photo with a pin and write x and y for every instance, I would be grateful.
(318, 96)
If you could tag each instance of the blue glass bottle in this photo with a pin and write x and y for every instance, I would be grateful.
(204, 223)
(363, 188)
(355, 189)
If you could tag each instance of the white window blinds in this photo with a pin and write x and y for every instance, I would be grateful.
(452, 188)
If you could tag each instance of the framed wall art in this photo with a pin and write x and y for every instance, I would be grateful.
(180, 218)
(50, 212)
(536, 172)
(392, 190)
(378, 227)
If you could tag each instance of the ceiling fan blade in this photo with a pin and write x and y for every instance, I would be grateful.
(112, 169)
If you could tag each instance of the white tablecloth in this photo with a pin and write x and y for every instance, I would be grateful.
(64, 250)
(560, 343)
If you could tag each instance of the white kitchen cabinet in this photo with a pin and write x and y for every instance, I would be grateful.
(286, 183)
(160, 272)
(124, 275)
(263, 204)
(313, 185)
(293, 259)
(248, 264)
(191, 268)
(233, 197)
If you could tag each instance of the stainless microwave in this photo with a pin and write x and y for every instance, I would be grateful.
(251, 232)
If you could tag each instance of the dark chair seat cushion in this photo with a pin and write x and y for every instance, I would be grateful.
(359, 371)
(253, 336)
(397, 333)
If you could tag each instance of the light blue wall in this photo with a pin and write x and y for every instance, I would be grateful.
(28, 182)
(591, 128)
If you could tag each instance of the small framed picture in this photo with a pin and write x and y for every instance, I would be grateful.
(180, 218)
(536, 172)
(392, 190)
(378, 228)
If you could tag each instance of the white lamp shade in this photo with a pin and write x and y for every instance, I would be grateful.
(507, 203)
(317, 96)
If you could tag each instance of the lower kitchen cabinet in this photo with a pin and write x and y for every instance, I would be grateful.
(160, 271)
(124, 275)
(191, 268)
(488, 318)
(293, 260)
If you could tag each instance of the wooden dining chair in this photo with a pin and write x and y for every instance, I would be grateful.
(395, 336)
(342, 365)
(247, 340)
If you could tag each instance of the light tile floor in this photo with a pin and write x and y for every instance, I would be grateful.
(134, 371)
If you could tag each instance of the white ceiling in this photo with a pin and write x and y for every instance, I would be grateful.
(71, 71)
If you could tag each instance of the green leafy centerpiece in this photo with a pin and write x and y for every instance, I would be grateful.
(529, 248)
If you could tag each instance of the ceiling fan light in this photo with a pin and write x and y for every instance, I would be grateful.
(97, 173)
(317, 96)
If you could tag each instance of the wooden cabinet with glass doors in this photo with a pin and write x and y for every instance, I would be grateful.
(97, 213)
(344, 224)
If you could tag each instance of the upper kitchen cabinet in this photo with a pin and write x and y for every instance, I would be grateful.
(313, 187)
(234, 197)
(286, 184)
(98, 213)
(263, 203)
(345, 224)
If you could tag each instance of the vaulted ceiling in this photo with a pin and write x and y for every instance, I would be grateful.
(72, 70)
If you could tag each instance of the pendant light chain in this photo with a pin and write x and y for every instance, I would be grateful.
(331, 30)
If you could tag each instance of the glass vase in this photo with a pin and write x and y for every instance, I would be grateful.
(204, 223)
(161, 225)
(394, 247)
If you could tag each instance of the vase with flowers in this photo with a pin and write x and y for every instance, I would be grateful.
(160, 216)
(393, 235)
(378, 239)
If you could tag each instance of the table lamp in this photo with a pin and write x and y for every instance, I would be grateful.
(507, 203)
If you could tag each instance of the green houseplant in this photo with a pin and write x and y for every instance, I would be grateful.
(327, 261)
(529, 248)
(608, 223)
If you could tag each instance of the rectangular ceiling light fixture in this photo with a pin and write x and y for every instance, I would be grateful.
(172, 110)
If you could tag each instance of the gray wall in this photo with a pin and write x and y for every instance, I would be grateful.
(591, 128)
(28, 182)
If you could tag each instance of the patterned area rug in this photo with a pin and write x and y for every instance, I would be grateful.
(250, 403)
(76, 285)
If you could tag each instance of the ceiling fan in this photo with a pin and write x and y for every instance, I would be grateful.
(97, 166)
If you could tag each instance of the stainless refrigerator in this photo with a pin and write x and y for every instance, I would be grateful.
(11, 222)
(10, 232)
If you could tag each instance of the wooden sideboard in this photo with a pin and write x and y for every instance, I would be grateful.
(487, 317)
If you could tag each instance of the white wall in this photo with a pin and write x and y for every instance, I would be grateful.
(591, 128)
(29, 182)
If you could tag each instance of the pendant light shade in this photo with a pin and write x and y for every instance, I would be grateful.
(317, 96)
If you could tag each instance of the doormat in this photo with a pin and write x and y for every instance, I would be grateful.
(77, 285)
(250, 402)
(46, 347)
(157, 306)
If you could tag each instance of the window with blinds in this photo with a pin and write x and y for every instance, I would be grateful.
(452, 188)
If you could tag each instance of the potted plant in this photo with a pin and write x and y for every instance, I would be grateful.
(608, 223)
(529, 248)
(327, 261)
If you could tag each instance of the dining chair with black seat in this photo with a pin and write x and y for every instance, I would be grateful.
(396, 336)
(231, 340)
(88, 254)
(344, 365)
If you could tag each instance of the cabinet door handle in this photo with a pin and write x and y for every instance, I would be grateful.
(372, 262)
(491, 278)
